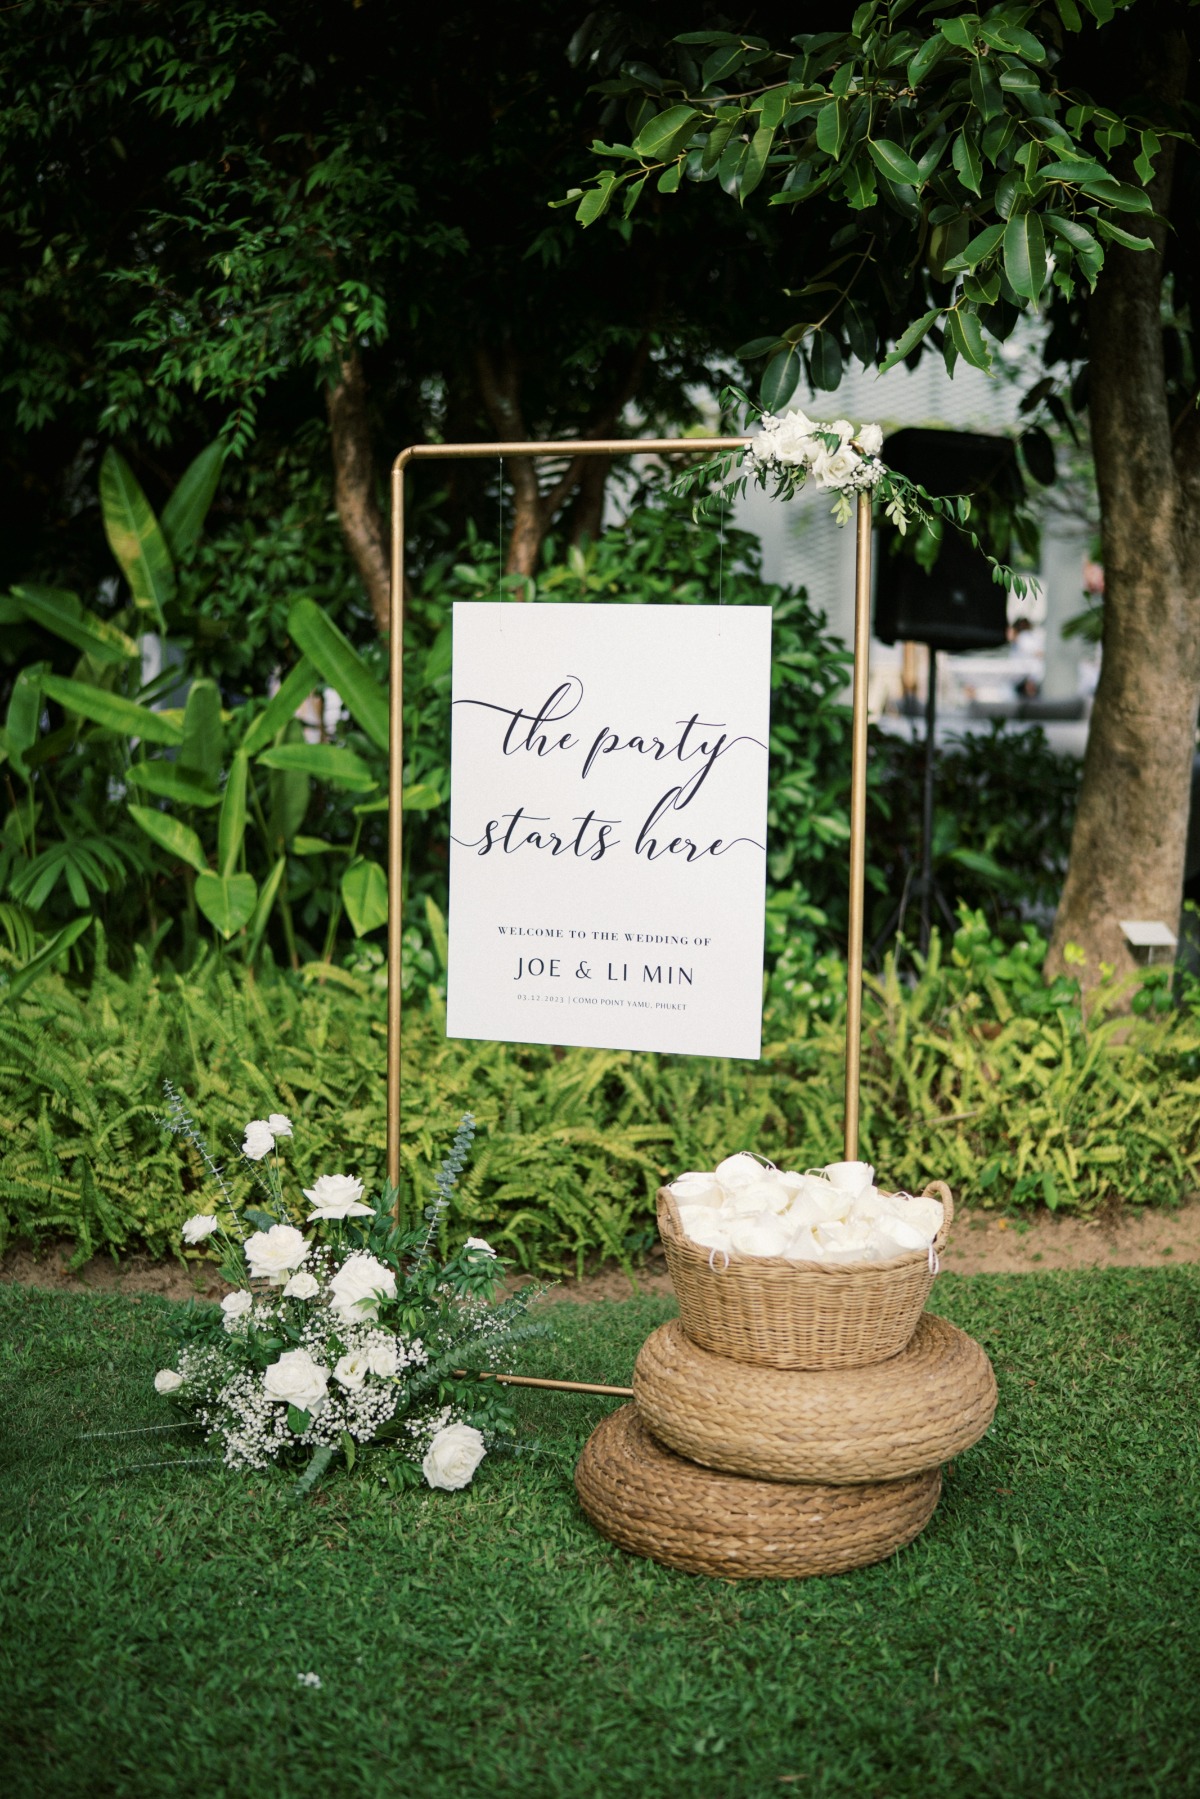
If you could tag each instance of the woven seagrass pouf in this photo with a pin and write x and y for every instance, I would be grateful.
(650, 1501)
(842, 1426)
(776, 1313)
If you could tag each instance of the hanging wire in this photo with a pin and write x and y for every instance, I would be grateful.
(500, 531)
(721, 554)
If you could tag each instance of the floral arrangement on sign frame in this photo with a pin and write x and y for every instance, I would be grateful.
(353, 1333)
(844, 459)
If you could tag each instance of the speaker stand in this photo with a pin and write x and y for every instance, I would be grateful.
(923, 888)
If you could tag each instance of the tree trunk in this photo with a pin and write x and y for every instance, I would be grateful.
(587, 514)
(535, 510)
(1127, 849)
(354, 483)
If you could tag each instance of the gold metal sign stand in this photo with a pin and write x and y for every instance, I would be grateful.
(650, 446)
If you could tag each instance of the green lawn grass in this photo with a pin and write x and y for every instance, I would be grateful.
(1040, 1637)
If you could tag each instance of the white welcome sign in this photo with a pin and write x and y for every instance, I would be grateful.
(608, 825)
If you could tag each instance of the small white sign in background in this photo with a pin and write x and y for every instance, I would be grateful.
(608, 825)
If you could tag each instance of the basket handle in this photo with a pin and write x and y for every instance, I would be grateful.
(939, 1190)
(669, 1211)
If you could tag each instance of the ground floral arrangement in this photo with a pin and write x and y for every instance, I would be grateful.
(346, 1334)
(843, 459)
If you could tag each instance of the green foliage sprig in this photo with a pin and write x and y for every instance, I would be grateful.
(444, 1183)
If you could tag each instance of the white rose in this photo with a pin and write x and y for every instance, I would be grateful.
(275, 1254)
(260, 1140)
(870, 440)
(278, 1125)
(840, 428)
(336, 1196)
(302, 1286)
(481, 1244)
(166, 1380)
(453, 1457)
(198, 1228)
(383, 1359)
(794, 440)
(236, 1305)
(352, 1370)
(762, 448)
(355, 1288)
(296, 1379)
(832, 467)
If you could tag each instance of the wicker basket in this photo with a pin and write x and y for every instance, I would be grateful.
(839, 1426)
(780, 1314)
(654, 1503)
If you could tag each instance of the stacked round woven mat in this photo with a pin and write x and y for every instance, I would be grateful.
(845, 1425)
(754, 1448)
(654, 1503)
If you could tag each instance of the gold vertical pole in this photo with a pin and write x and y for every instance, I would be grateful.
(395, 852)
(858, 821)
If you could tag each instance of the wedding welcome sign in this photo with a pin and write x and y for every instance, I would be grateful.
(608, 825)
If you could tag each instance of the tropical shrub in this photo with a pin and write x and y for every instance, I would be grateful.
(977, 1073)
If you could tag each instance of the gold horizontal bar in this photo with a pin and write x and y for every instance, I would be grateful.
(572, 446)
(557, 1386)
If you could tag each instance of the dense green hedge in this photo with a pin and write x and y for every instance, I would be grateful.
(978, 1074)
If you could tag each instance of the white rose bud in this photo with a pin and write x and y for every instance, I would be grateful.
(166, 1380)
(260, 1140)
(278, 1125)
(275, 1254)
(235, 1307)
(870, 440)
(302, 1286)
(198, 1228)
(383, 1359)
(453, 1457)
(481, 1244)
(295, 1379)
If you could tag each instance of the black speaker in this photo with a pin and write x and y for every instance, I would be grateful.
(958, 606)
